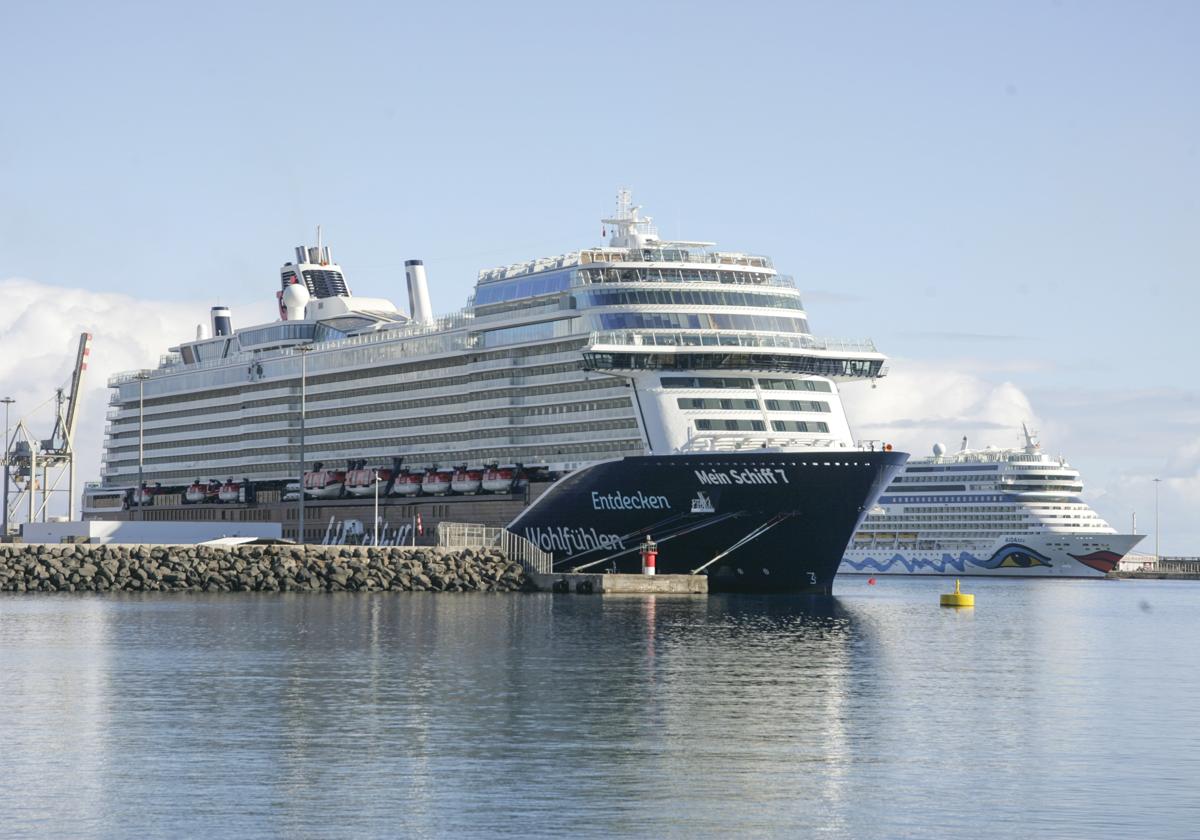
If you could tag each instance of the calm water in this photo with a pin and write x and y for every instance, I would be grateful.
(1056, 709)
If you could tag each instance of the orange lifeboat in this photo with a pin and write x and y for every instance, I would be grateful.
(231, 491)
(436, 482)
(407, 484)
(467, 482)
(360, 479)
(321, 483)
(497, 479)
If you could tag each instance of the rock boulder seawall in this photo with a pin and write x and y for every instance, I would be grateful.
(258, 568)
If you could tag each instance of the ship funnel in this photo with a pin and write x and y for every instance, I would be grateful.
(418, 292)
(222, 321)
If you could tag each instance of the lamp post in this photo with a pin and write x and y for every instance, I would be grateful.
(139, 496)
(7, 444)
(303, 350)
(1157, 481)
(375, 540)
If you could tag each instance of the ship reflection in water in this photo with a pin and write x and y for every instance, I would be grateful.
(870, 714)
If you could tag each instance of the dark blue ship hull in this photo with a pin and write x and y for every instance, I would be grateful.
(753, 522)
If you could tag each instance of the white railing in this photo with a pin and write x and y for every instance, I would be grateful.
(515, 548)
(725, 338)
(748, 443)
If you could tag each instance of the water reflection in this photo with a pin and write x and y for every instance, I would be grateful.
(427, 715)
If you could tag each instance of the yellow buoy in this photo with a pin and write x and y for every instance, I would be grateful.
(958, 598)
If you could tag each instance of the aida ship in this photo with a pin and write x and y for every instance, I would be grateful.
(986, 512)
(588, 401)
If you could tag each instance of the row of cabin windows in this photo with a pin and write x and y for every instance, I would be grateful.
(416, 372)
(714, 425)
(289, 435)
(750, 405)
(517, 411)
(404, 443)
(288, 403)
(746, 382)
(686, 297)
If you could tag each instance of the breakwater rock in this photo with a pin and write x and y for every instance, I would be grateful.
(259, 568)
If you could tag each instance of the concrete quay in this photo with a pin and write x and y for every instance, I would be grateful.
(619, 584)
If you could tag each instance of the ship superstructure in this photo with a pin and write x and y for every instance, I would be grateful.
(638, 348)
(992, 511)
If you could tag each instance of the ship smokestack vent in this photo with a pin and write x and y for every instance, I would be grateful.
(418, 292)
(222, 321)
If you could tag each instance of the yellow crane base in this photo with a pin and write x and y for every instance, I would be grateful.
(958, 598)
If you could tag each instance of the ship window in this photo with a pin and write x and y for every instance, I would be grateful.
(709, 402)
(794, 385)
(713, 425)
(701, 321)
(527, 332)
(796, 405)
(276, 332)
(706, 382)
(522, 287)
(798, 426)
(687, 297)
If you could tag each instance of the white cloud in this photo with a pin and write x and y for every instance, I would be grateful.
(1121, 441)
(922, 403)
(39, 333)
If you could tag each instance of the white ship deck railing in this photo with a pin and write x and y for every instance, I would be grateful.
(675, 255)
(743, 443)
(725, 338)
(622, 255)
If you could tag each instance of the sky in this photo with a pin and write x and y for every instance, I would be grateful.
(1005, 197)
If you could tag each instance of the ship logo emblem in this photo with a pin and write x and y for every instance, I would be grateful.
(702, 503)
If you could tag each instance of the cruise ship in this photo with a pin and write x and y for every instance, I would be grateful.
(989, 511)
(643, 388)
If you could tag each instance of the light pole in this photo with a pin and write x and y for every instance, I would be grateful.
(303, 350)
(1157, 481)
(7, 444)
(375, 540)
(139, 496)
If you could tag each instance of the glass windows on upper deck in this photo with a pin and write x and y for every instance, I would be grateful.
(686, 297)
(520, 288)
(700, 321)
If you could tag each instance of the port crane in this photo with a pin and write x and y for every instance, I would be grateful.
(37, 467)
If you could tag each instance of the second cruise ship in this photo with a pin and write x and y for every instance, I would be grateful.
(1014, 512)
(642, 388)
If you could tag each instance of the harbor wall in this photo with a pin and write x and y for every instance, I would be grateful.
(258, 568)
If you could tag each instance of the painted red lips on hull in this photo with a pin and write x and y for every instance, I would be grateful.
(1102, 561)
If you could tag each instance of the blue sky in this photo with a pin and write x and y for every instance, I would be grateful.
(1007, 191)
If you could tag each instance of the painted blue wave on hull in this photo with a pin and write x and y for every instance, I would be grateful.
(947, 561)
(1012, 555)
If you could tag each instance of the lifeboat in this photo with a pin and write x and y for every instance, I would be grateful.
(231, 491)
(360, 481)
(321, 483)
(499, 479)
(436, 482)
(201, 491)
(407, 484)
(291, 491)
(144, 495)
(466, 481)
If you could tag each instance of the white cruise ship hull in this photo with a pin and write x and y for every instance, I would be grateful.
(1041, 555)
